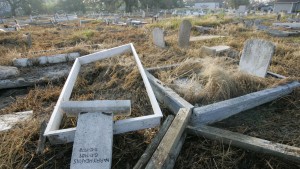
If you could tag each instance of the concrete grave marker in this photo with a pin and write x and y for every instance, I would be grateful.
(158, 37)
(184, 34)
(214, 50)
(94, 135)
(62, 136)
(93, 141)
(256, 57)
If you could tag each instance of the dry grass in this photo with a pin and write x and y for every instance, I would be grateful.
(217, 79)
(119, 79)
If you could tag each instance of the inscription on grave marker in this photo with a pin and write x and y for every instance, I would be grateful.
(93, 141)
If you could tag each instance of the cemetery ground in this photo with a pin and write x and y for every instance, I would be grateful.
(118, 78)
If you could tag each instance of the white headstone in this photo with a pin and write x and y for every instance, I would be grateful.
(184, 33)
(93, 141)
(256, 57)
(158, 37)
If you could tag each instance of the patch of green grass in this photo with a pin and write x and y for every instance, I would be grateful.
(83, 35)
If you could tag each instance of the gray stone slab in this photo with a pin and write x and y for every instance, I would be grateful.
(7, 121)
(205, 37)
(158, 37)
(93, 141)
(256, 57)
(184, 34)
(8, 72)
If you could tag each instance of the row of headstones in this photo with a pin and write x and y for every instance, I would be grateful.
(183, 38)
(251, 51)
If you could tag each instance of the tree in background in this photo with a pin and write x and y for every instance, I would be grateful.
(236, 3)
(72, 5)
(14, 4)
(29, 6)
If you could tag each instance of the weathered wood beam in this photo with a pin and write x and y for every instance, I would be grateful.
(161, 157)
(154, 143)
(224, 109)
(276, 75)
(166, 95)
(247, 142)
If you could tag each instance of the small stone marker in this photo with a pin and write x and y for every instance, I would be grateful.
(158, 37)
(93, 141)
(278, 17)
(214, 50)
(7, 121)
(256, 57)
(184, 34)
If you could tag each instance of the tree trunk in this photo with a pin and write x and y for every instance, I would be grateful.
(13, 10)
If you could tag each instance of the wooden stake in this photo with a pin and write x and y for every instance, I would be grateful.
(154, 144)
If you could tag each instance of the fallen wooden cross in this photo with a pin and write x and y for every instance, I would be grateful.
(164, 158)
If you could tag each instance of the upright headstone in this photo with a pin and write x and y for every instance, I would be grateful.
(278, 17)
(93, 141)
(256, 57)
(28, 39)
(143, 14)
(184, 33)
(158, 37)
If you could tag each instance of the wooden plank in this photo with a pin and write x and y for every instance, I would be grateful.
(222, 110)
(161, 156)
(167, 96)
(276, 75)
(93, 141)
(57, 115)
(63, 136)
(42, 139)
(154, 143)
(118, 107)
(248, 142)
(173, 155)
(104, 54)
(150, 92)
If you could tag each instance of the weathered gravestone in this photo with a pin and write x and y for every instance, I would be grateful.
(93, 140)
(158, 37)
(256, 57)
(184, 34)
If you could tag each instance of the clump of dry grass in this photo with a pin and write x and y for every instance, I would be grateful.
(218, 78)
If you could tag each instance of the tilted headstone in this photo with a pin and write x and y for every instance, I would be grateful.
(93, 141)
(184, 33)
(158, 37)
(256, 57)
